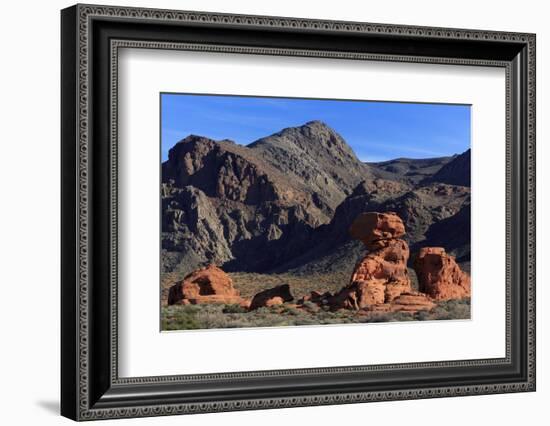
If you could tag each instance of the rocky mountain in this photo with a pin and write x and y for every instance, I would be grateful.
(421, 209)
(285, 202)
(222, 203)
(455, 172)
(453, 233)
(317, 158)
(411, 170)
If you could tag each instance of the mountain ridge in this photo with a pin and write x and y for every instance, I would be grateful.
(289, 196)
(315, 155)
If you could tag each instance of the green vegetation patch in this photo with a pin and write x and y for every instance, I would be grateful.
(212, 316)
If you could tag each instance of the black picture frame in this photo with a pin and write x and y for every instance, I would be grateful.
(90, 386)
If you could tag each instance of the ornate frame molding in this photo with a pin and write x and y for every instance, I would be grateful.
(80, 18)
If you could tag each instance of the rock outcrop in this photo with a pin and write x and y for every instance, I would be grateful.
(271, 297)
(217, 169)
(382, 275)
(371, 228)
(405, 302)
(206, 285)
(192, 232)
(439, 276)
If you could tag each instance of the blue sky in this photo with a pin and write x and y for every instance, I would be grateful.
(377, 131)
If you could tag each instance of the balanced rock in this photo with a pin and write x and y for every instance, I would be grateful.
(271, 297)
(382, 275)
(439, 276)
(205, 285)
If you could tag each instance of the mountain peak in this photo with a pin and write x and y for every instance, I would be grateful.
(312, 128)
(317, 157)
(314, 139)
(305, 136)
(316, 123)
(189, 143)
(193, 138)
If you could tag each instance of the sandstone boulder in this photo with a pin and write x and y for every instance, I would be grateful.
(439, 276)
(271, 297)
(205, 285)
(372, 226)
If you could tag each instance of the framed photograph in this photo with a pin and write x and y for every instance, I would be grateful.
(263, 212)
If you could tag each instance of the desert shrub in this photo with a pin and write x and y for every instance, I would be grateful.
(234, 309)
(306, 321)
(310, 306)
(211, 316)
(179, 318)
(402, 316)
(388, 317)
(290, 310)
(423, 316)
(452, 309)
(446, 310)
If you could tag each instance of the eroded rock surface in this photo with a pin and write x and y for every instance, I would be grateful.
(271, 297)
(405, 302)
(206, 285)
(382, 275)
(439, 276)
(372, 227)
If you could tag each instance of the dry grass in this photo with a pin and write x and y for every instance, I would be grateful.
(188, 317)
(251, 283)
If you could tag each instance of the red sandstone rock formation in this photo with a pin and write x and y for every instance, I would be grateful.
(382, 275)
(370, 227)
(439, 276)
(271, 297)
(206, 285)
(405, 302)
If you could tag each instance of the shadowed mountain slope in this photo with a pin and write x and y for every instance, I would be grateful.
(455, 172)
